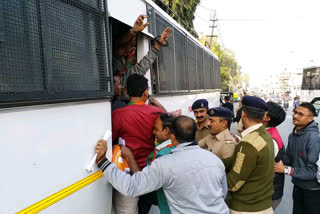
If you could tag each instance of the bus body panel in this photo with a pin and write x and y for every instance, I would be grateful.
(181, 104)
(47, 148)
(308, 95)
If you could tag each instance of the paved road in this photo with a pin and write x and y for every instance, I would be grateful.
(286, 205)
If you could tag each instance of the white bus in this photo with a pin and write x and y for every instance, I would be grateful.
(310, 87)
(55, 91)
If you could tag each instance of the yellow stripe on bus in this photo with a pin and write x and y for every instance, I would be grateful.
(54, 198)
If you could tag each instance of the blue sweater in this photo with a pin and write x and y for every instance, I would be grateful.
(302, 154)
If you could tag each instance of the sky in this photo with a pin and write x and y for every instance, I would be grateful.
(267, 37)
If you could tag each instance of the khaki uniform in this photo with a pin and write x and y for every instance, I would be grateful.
(222, 144)
(202, 132)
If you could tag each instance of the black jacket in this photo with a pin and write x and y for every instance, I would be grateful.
(278, 181)
(228, 105)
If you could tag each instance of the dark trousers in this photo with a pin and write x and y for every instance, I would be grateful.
(146, 201)
(305, 201)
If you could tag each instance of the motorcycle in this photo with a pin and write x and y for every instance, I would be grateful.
(286, 105)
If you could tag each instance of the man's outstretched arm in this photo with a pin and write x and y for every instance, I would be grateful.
(148, 180)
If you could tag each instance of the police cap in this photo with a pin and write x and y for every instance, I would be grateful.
(220, 112)
(202, 103)
(254, 103)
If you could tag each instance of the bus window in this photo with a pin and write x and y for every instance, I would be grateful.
(1, 23)
(53, 50)
(311, 78)
(192, 64)
(185, 65)
(181, 61)
(124, 46)
(200, 72)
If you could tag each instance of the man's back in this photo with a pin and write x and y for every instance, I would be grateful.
(228, 105)
(251, 177)
(134, 123)
(195, 180)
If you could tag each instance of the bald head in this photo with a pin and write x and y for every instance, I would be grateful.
(184, 129)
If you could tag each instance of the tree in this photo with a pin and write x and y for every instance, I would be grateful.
(231, 78)
(182, 11)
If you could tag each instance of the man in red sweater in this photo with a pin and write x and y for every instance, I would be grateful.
(274, 117)
(134, 123)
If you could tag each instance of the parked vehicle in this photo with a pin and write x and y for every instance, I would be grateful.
(286, 105)
(316, 104)
(276, 99)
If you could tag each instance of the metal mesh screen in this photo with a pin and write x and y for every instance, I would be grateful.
(207, 70)
(51, 50)
(192, 64)
(212, 77)
(219, 74)
(166, 68)
(184, 65)
(20, 56)
(200, 71)
(180, 58)
(216, 73)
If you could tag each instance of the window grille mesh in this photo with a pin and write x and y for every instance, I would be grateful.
(184, 65)
(180, 58)
(52, 50)
(200, 71)
(207, 67)
(192, 65)
(165, 59)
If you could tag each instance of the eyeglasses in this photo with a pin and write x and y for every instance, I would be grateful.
(299, 114)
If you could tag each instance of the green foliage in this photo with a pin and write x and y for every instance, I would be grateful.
(225, 78)
(231, 78)
(230, 69)
(184, 9)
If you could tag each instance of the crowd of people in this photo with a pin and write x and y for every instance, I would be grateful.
(186, 165)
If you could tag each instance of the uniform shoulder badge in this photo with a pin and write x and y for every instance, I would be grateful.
(235, 137)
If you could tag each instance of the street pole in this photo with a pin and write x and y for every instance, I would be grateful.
(213, 20)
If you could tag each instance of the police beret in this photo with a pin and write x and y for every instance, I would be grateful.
(220, 112)
(255, 103)
(202, 103)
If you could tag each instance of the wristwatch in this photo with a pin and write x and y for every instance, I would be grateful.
(288, 170)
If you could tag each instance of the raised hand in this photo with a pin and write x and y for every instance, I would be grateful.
(164, 37)
(101, 150)
(138, 25)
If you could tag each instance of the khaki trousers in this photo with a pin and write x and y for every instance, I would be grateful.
(267, 211)
(123, 204)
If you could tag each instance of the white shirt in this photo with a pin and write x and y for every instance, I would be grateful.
(192, 178)
(251, 129)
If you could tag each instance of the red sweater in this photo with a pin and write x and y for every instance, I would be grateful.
(135, 124)
(275, 135)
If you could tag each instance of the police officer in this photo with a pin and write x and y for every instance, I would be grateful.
(220, 141)
(250, 169)
(200, 108)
